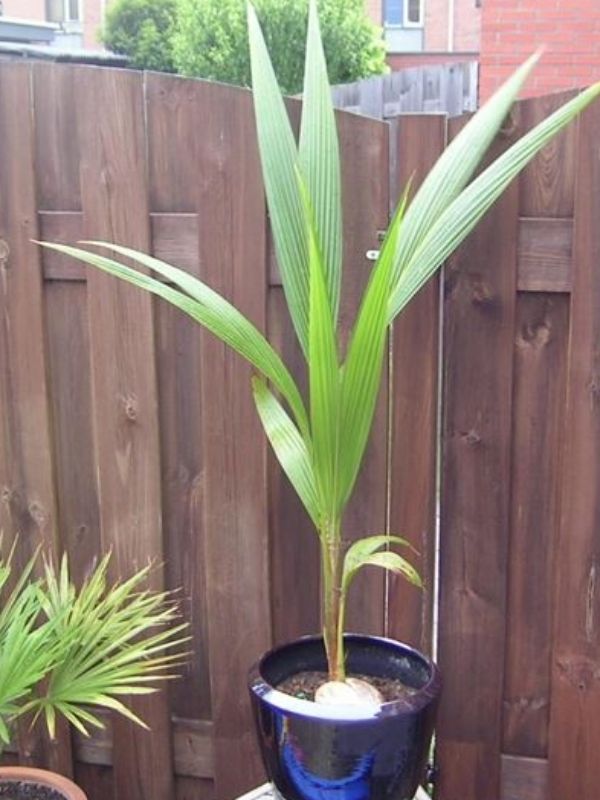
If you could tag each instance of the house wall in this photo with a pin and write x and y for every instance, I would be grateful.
(570, 33)
(36, 10)
(25, 9)
(467, 24)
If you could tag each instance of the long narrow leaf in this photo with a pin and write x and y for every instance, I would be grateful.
(463, 214)
(361, 550)
(320, 159)
(364, 363)
(323, 373)
(456, 165)
(279, 157)
(206, 307)
(288, 445)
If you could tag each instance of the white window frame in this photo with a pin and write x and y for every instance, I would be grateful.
(66, 15)
(407, 22)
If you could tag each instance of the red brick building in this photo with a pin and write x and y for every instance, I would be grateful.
(569, 30)
(78, 21)
(428, 31)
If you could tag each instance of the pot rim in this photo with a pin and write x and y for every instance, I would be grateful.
(260, 687)
(43, 777)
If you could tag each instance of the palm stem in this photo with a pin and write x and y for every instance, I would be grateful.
(332, 600)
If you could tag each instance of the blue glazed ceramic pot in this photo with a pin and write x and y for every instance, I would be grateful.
(320, 752)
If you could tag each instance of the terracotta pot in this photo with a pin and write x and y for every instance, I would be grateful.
(42, 778)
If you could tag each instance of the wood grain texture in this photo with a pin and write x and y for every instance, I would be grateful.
(71, 394)
(538, 421)
(545, 255)
(294, 541)
(575, 717)
(175, 238)
(235, 499)
(547, 183)
(56, 138)
(524, 778)
(478, 336)
(414, 397)
(364, 149)
(114, 201)
(27, 481)
(192, 747)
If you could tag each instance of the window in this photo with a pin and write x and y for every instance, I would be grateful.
(63, 10)
(404, 13)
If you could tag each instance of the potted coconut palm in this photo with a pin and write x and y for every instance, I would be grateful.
(339, 715)
(67, 652)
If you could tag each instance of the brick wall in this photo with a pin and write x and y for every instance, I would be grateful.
(569, 30)
(92, 22)
(25, 9)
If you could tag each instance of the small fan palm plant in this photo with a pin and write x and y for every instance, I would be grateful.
(320, 440)
(67, 651)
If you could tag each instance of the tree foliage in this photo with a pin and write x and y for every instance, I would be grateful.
(142, 30)
(210, 40)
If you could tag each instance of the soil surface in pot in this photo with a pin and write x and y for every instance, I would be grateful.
(25, 790)
(303, 685)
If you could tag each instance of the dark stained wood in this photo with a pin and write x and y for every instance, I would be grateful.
(545, 255)
(194, 789)
(478, 335)
(546, 186)
(70, 385)
(575, 718)
(192, 747)
(57, 121)
(538, 421)
(113, 189)
(61, 227)
(540, 356)
(27, 482)
(175, 238)
(415, 344)
(96, 781)
(364, 148)
(233, 260)
(524, 778)
(294, 541)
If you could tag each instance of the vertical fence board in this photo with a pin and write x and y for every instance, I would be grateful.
(58, 189)
(26, 463)
(546, 191)
(419, 140)
(540, 356)
(478, 335)
(575, 716)
(174, 112)
(364, 148)
(294, 542)
(113, 188)
(233, 258)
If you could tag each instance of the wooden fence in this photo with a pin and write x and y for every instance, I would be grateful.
(437, 88)
(124, 425)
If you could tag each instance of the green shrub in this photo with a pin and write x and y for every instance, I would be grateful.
(210, 40)
(142, 30)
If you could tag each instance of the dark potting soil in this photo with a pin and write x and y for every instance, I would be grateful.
(303, 685)
(25, 790)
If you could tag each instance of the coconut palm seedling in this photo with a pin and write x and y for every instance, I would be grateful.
(320, 440)
(67, 651)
